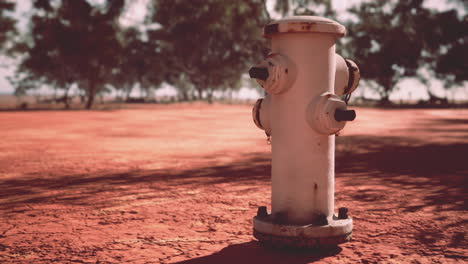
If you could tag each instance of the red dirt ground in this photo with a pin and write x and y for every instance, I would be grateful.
(181, 183)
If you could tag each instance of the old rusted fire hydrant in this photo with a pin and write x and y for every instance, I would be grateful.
(302, 111)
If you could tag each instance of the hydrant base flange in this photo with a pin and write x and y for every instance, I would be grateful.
(337, 231)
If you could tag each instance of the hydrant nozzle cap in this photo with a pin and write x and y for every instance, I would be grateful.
(260, 73)
(304, 24)
(345, 115)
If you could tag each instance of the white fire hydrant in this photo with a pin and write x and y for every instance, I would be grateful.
(302, 111)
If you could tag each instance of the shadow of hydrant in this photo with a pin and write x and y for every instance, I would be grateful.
(254, 252)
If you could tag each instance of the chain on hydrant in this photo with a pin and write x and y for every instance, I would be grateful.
(303, 78)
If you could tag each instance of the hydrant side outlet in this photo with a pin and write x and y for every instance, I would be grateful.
(261, 114)
(275, 74)
(302, 113)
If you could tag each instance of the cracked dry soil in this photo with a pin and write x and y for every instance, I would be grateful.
(181, 183)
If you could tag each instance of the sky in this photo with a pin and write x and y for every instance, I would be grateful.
(407, 89)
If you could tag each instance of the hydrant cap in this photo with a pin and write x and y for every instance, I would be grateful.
(304, 24)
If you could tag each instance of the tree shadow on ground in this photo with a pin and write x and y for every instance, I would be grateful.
(253, 252)
(82, 189)
(437, 171)
(449, 121)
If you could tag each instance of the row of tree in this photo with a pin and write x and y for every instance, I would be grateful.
(205, 45)
(391, 40)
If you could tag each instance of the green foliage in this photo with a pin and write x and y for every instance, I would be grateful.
(140, 62)
(7, 24)
(305, 7)
(392, 41)
(210, 42)
(206, 45)
(74, 42)
(447, 47)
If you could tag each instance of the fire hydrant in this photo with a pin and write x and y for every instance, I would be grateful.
(303, 78)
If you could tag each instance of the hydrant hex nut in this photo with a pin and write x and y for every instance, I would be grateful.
(342, 213)
(262, 211)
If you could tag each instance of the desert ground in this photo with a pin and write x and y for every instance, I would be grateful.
(180, 183)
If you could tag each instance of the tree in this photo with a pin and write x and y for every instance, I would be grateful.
(184, 88)
(391, 41)
(386, 43)
(446, 46)
(140, 62)
(74, 42)
(211, 42)
(125, 76)
(305, 7)
(7, 24)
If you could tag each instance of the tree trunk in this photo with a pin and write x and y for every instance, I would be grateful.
(91, 94)
(142, 92)
(184, 96)
(193, 95)
(384, 100)
(200, 95)
(128, 91)
(82, 95)
(209, 96)
(65, 98)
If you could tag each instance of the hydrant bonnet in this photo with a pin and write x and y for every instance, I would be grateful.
(304, 24)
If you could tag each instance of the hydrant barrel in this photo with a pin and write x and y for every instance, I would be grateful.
(302, 113)
(303, 161)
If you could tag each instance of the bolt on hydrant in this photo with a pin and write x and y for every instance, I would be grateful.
(303, 78)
